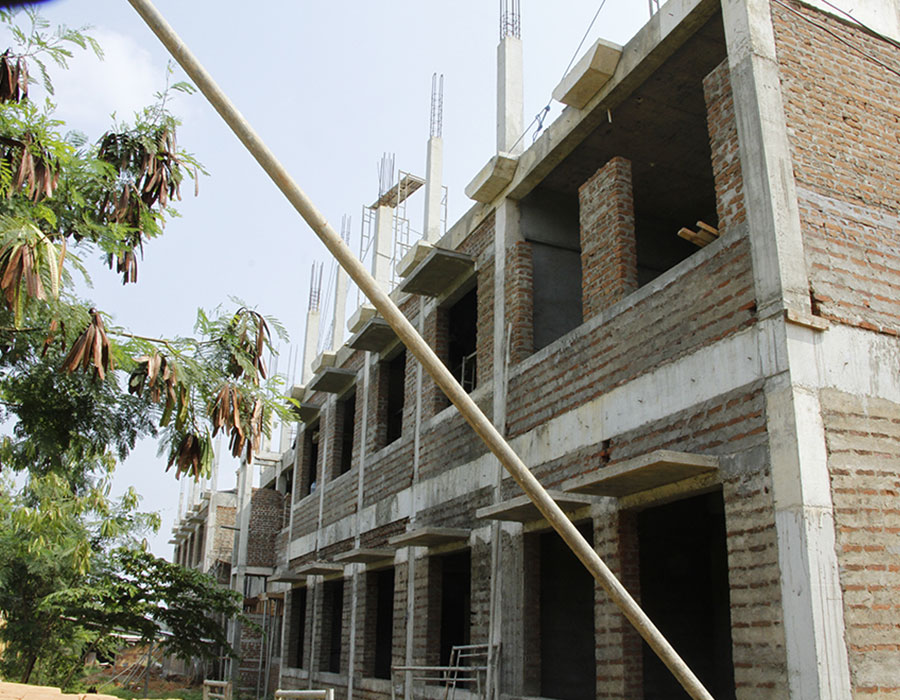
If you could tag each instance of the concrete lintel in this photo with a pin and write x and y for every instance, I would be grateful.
(521, 509)
(648, 471)
(365, 555)
(332, 380)
(493, 178)
(323, 360)
(429, 536)
(359, 317)
(437, 272)
(415, 255)
(590, 74)
(285, 575)
(375, 335)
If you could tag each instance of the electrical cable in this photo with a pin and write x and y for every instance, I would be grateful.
(837, 36)
(540, 116)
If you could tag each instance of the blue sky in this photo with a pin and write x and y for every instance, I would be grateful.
(330, 86)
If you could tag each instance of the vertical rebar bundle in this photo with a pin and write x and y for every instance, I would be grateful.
(437, 106)
(510, 19)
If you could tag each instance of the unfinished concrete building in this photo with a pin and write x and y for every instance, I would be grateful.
(680, 305)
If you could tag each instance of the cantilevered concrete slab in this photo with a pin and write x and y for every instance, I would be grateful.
(319, 568)
(437, 272)
(285, 575)
(430, 536)
(520, 509)
(492, 178)
(322, 361)
(333, 380)
(307, 412)
(360, 317)
(590, 74)
(374, 336)
(365, 555)
(413, 258)
(648, 471)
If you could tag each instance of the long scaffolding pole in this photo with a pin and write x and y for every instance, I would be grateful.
(420, 349)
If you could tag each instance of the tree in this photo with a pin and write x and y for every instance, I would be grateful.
(78, 391)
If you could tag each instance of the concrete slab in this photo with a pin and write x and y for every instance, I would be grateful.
(318, 568)
(437, 272)
(493, 178)
(521, 509)
(323, 360)
(285, 575)
(359, 317)
(332, 380)
(648, 471)
(365, 555)
(375, 335)
(414, 256)
(590, 74)
(429, 536)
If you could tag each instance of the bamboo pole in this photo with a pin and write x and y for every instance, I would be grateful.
(420, 349)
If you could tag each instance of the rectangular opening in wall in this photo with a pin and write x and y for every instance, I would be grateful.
(684, 589)
(456, 602)
(462, 329)
(332, 625)
(310, 458)
(566, 620)
(395, 370)
(347, 421)
(380, 621)
(297, 629)
(549, 222)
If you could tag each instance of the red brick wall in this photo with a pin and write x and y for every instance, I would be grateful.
(266, 508)
(608, 248)
(863, 439)
(723, 142)
(520, 300)
(843, 117)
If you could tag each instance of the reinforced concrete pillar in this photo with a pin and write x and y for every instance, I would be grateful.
(817, 662)
(510, 99)
(383, 246)
(434, 164)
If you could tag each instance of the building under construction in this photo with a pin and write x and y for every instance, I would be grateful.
(680, 305)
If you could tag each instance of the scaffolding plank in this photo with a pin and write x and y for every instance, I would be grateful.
(648, 471)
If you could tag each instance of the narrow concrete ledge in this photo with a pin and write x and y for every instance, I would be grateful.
(365, 555)
(648, 471)
(437, 272)
(333, 380)
(319, 568)
(799, 318)
(375, 335)
(492, 178)
(429, 536)
(323, 360)
(414, 256)
(307, 412)
(360, 317)
(590, 74)
(520, 509)
(285, 575)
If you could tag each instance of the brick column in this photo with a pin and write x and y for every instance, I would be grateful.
(619, 653)
(520, 300)
(608, 249)
(723, 142)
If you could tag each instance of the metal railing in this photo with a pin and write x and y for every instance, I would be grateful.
(216, 690)
(327, 694)
(468, 667)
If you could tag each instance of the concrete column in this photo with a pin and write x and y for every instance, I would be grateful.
(510, 100)
(239, 553)
(383, 246)
(310, 341)
(434, 165)
(817, 662)
(338, 323)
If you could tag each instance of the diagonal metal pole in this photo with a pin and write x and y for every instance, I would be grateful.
(420, 349)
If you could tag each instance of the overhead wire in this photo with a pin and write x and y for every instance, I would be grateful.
(542, 114)
(859, 22)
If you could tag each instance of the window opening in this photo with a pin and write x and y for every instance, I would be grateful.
(462, 329)
(396, 391)
(297, 638)
(381, 601)
(684, 589)
(311, 440)
(348, 424)
(456, 603)
(332, 623)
